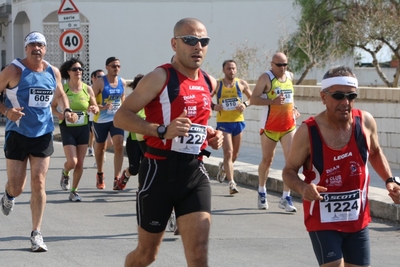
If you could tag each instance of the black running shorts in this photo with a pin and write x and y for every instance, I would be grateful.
(74, 135)
(332, 245)
(164, 184)
(19, 147)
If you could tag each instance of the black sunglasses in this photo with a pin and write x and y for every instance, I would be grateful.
(40, 45)
(280, 64)
(193, 40)
(99, 76)
(341, 95)
(75, 69)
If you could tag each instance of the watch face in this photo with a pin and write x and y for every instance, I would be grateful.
(397, 180)
(161, 129)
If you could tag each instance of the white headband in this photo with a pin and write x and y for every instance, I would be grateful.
(35, 37)
(340, 80)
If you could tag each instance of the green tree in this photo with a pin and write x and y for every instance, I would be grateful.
(371, 25)
(331, 29)
(251, 60)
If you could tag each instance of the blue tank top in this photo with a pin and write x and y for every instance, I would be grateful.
(34, 93)
(111, 95)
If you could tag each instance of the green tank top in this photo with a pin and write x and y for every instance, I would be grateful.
(79, 103)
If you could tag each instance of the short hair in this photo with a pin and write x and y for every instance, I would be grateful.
(94, 73)
(339, 71)
(228, 61)
(66, 66)
(135, 81)
(111, 59)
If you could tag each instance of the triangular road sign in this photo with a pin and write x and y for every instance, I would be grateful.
(67, 7)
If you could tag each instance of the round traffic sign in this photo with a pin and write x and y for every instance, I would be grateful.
(71, 41)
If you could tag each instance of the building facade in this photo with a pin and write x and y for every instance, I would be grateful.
(139, 32)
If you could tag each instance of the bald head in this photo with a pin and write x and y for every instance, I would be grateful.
(180, 25)
(279, 56)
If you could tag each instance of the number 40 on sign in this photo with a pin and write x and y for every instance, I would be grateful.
(71, 41)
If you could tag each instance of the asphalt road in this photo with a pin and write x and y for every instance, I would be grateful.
(101, 230)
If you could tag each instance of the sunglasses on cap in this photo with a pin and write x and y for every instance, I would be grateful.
(193, 40)
(341, 95)
(75, 69)
(280, 64)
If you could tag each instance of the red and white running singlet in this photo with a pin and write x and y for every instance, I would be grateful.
(181, 93)
(345, 206)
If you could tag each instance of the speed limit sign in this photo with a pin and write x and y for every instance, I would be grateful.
(71, 41)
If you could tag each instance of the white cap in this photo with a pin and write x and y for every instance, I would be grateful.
(35, 37)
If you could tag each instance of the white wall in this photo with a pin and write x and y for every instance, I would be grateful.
(139, 32)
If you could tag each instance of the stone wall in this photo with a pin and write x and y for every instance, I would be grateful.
(382, 103)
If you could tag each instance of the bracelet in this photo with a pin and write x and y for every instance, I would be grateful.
(5, 113)
(67, 110)
(295, 107)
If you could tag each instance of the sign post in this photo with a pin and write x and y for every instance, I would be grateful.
(68, 16)
(71, 41)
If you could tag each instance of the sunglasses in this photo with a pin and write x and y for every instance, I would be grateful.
(341, 95)
(280, 64)
(99, 76)
(115, 66)
(193, 40)
(40, 45)
(75, 69)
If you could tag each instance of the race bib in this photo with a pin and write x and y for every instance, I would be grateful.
(230, 103)
(340, 206)
(288, 94)
(190, 144)
(114, 108)
(80, 121)
(40, 98)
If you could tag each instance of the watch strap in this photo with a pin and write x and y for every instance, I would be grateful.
(390, 180)
(393, 179)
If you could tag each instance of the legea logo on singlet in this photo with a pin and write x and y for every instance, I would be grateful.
(343, 156)
(196, 88)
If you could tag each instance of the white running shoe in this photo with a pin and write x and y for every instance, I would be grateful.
(7, 205)
(262, 201)
(74, 196)
(172, 226)
(287, 204)
(232, 188)
(37, 244)
(64, 182)
(221, 173)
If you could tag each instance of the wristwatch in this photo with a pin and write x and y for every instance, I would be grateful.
(161, 131)
(67, 110)
(393, 179)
